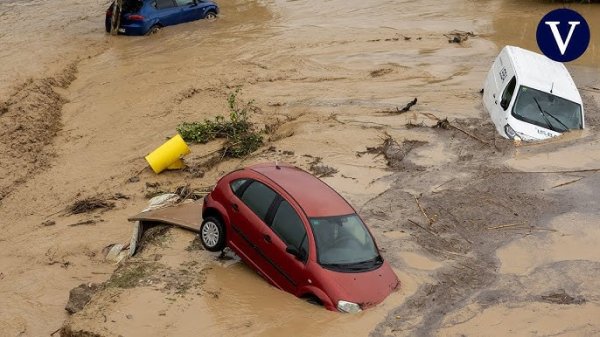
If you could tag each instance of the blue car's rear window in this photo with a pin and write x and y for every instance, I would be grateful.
(132, 6)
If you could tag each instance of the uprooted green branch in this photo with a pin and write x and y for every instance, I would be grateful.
(240, 133)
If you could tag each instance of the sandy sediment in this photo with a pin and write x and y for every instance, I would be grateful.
(452, 223)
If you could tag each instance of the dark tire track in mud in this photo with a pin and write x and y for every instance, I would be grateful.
(29, 121)
(464, 223)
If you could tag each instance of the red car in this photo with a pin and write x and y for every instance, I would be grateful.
(299, 234)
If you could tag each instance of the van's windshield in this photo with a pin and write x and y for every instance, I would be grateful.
(546, 110)
(344, 243)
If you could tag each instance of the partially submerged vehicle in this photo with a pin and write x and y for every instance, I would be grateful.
(299, 234)
(531, 97)
(141, 17)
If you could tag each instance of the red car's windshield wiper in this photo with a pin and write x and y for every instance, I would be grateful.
(367, 264)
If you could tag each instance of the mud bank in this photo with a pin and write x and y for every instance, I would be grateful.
(327, 80)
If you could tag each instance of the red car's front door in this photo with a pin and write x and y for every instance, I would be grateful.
(286, 229)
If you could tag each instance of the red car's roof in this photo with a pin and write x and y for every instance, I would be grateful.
(315, 197)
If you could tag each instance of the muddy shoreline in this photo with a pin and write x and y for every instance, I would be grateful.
(475, 242)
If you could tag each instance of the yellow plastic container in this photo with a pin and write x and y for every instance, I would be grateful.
(168, 154)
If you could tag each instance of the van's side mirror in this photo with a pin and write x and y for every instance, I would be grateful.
(300, 254)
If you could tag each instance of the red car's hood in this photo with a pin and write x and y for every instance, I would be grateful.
(366, 288)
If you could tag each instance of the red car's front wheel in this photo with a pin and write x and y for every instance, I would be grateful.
(212, 234)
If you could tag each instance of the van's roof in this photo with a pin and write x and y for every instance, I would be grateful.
(539, 72)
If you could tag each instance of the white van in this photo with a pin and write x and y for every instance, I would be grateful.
(531, 97)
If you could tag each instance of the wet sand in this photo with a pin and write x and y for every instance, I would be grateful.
(325, 73)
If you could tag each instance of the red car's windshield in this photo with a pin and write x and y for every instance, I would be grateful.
(344, 243)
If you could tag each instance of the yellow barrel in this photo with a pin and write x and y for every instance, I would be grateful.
(167, 154)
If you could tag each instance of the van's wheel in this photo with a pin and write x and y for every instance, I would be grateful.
(212, 234)
(153, 30)
(210, 15)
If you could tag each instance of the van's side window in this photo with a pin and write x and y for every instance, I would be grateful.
(508, 93)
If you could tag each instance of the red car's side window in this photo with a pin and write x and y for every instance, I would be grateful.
(237, 186)
(259, 198)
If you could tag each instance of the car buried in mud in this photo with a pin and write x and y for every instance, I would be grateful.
(141, 17)
(531, 97)
(299, 234)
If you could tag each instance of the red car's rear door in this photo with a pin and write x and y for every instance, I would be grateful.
(248, 212)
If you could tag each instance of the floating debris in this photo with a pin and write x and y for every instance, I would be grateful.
(88, 205)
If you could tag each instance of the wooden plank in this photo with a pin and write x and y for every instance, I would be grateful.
(187, 216)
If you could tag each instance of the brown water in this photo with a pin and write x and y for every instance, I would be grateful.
(299, 60)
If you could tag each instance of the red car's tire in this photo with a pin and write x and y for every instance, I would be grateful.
(212, 234)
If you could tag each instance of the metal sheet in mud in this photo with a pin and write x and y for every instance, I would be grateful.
(188, 216)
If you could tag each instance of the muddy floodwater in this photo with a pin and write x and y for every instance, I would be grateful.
(488, 238)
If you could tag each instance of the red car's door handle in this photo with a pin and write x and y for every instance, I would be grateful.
(267, 238)
(235, 207)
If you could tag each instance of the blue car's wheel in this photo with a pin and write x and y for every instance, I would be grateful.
(153, 30)
(210, 15)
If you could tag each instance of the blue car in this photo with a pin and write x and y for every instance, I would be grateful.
(141, 17)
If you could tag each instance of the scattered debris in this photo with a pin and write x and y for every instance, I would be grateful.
(568, 183)
(561, 297)
(446, 125)
(408, 106)
(1, 276)
(130, 274)
(423, 228)
(114, 252)
(119, 196)
(195, 245)
(52, 260)
(88, 205)
(241, 136)
(196, 170)
(80, 296)
(48, 223)
(511, 225)
(431, 220)
(180, 193)
(153, 234)
(392, 151)
(411, 125)
(458, 36)
(86, 222)
(321, 170)
(133, 179)
(442, 124)
(153, 190)
(67, 331)
(381, 72)
(398, 111)
(186, 192)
